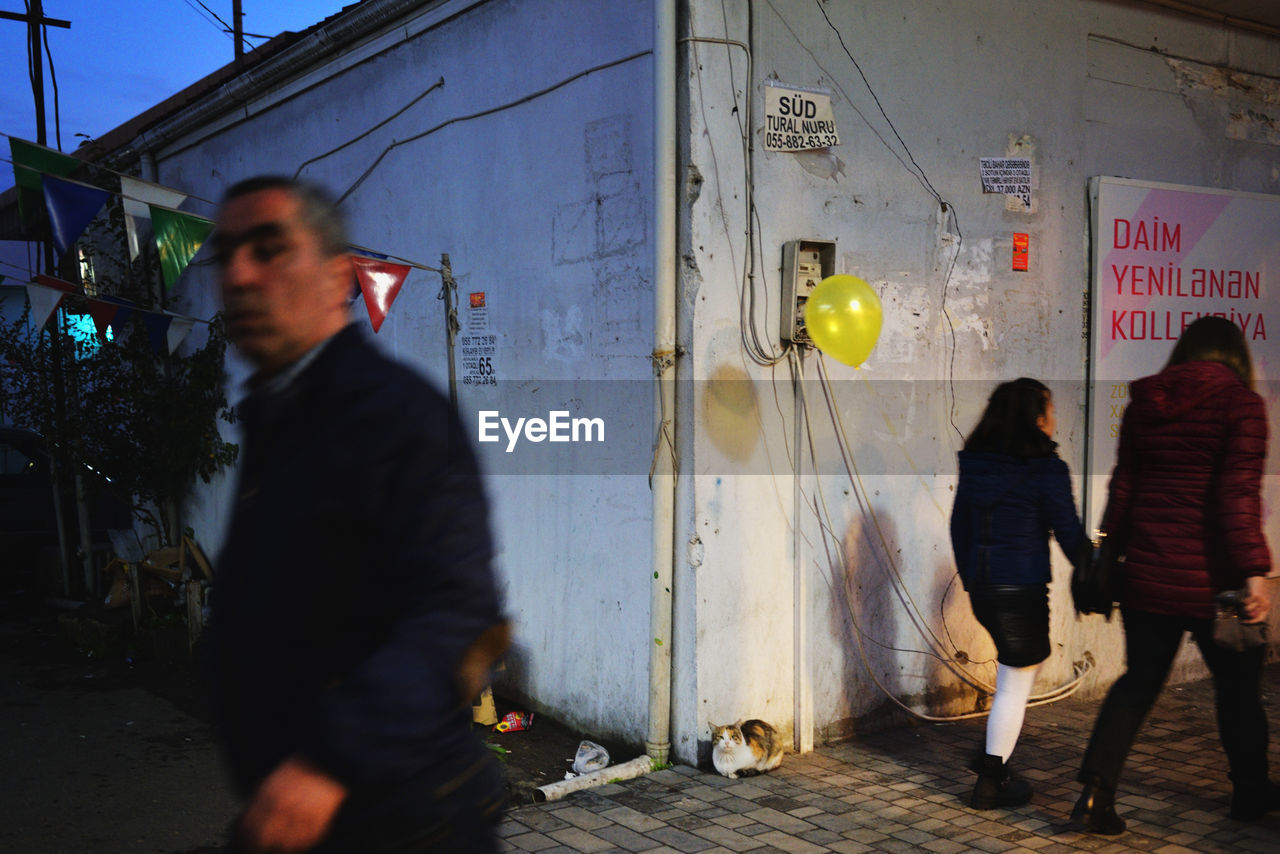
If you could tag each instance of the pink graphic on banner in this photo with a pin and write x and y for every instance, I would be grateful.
(1164, 230)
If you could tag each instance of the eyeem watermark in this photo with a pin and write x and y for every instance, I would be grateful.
(556, 427)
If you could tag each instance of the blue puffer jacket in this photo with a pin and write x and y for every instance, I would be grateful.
(1004, 511)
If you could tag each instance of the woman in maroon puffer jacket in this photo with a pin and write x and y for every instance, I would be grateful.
(1185, 502)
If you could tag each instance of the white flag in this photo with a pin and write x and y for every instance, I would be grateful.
(137, 196)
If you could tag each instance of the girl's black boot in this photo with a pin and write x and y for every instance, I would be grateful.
(996, 787)
(1095, 812)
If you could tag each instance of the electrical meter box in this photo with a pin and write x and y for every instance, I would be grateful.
(804, 264)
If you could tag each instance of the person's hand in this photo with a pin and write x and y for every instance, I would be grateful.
(292, 808)
(1257, 604)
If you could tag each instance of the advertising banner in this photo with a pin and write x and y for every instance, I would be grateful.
(1163, 255)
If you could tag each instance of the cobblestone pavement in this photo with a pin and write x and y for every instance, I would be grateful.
(907, 789)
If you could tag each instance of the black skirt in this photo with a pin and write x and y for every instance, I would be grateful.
(1017, 618)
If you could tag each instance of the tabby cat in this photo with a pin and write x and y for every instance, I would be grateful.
(748, 746)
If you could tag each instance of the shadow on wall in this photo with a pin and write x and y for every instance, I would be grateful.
(871, 615)
(893, 626)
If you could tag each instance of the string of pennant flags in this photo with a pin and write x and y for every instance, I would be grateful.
(43, 184)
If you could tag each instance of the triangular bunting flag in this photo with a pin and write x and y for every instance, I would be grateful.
(179, 327)
(30, 161)
(178, 237)
(157, 331)
(102, 312)
(57, 284)
(137, 197)
(71, 206)
(380, 282)
(124, 311)
(43, 302)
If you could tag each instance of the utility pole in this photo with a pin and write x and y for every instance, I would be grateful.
(35, 22)
(237, 24)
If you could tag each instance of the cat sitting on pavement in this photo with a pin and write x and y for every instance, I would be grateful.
(746, 747)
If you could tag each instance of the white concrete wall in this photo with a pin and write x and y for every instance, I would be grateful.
(543, 205)
(1079, 87)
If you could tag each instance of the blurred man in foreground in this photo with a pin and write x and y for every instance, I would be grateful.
(355, 612)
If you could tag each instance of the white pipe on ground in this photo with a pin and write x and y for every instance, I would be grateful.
(626, 771)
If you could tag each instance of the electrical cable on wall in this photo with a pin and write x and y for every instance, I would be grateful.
(751, 343)
(947, 208)
(546, 90)
(439, 84)
(1080, 668)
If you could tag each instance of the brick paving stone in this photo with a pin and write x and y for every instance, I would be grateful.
(866, 835)
(792, 845)
(848, 846)
(680, 840)
(732, 820)
(627, 839)
(780, 820)
(530, 842)
(632, 819)
(754, 828)
(907, 790)
(944, 846)
(578, 839)
(728, 838)
(541, 821)
(582, 818)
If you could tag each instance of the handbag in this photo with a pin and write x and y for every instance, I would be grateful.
(1096, 577)
(1230, 631)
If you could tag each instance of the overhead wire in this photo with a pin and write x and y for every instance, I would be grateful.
(210, 18)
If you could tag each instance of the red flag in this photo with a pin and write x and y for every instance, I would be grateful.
(103, 313)
(380, 282)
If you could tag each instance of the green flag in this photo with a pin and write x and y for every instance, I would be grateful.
(30, 161)
(178, 237)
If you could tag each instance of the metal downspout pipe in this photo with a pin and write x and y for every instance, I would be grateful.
(663, 477)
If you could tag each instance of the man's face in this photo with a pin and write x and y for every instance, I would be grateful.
(281, 293)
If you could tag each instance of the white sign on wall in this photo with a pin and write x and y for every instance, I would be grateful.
(1008, 175)
(476, 343)
(1164, 255)
(797, 119)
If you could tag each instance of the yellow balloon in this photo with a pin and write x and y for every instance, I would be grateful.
(843, 317)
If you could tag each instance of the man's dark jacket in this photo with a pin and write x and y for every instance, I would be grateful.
(355, 574)
(1185, 492)
(1004, 511)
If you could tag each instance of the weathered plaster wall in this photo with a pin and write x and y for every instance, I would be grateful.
(542, 204)
(789, 572)
(1082, 88)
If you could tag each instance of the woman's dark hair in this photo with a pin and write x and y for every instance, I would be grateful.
(1008, 425)
(1214, 339)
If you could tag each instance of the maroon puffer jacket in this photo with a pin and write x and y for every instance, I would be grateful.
(1185, 489)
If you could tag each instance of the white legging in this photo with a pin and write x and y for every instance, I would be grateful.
(1008, 708)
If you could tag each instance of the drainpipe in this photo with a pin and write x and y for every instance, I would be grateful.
(662, 480)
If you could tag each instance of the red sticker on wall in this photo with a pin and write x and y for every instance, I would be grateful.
(1021, 243)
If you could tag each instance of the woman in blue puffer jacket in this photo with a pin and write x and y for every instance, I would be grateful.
(1013, 492)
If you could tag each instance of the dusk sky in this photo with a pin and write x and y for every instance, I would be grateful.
(120, 57)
